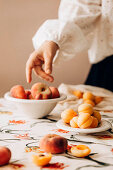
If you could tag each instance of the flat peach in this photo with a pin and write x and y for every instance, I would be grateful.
(67, 115)
(80, 151)
(94, 122)
(84, 120)
(41, 159)
(88, 96)
(85, 108)
(73, 122)
(97, 115)
(78, 94)
(89, 102)
(98, 99)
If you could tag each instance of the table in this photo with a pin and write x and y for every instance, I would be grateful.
(22, 136)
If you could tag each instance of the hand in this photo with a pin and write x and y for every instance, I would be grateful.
(44, 55)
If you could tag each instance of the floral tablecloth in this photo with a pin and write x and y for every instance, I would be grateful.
(22, 136)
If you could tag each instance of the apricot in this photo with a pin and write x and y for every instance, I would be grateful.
(41, 91)
(78, 94)
(97, 115)
(67, 115)
(85, 108)
(80, 151)
(18, 92)
(53, 143)
(98, 99)
(94, 123)
(5, 155)
(89, 102)
(73, 122)
(84, 120)
(88, 96)
(55, 92)
(41, 159)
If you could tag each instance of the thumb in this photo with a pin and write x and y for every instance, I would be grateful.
(48, 64)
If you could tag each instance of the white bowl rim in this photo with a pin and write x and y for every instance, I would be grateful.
(9, 98)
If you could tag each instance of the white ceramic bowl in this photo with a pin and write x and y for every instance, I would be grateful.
(34, 108)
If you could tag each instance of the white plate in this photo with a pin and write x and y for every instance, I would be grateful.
(103, 126)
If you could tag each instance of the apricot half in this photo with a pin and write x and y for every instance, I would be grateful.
(41, 159)
(80, 151)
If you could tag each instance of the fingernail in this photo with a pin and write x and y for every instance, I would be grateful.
(48, 71)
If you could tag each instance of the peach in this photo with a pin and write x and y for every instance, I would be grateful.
(67, 115)
(28, 93)
(89, 102)
(94, 122)
(85, 108)
(41, 91)
(55, 92)
(31, 97)
(53, 143)
(97, 115)
(73, 122)
(18, 91)
(98, 99)
(41, 159)
(88, 96)
(84, 120)
(78, 94)
(5, 155)
(80, 151)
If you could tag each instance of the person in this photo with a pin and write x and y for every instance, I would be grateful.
(81, 25)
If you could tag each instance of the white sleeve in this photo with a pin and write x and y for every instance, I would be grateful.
(76, 20)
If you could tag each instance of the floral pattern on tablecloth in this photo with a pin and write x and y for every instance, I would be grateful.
(22, 136)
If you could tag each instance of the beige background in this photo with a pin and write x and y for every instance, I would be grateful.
(19, 20)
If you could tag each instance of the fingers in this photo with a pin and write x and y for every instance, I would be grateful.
(48, 64)
(28, 72)
(40, 72)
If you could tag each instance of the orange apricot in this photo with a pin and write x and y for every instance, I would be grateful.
(73, 122)
(85, 108)
(80, 151)
(41, 159)
(88, 96)
(78, 94)
(67, 115)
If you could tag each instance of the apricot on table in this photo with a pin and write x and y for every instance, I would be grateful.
(84, 120)
(73, 122)
(67, 115)
(98, 99)
(89, 102)
(80, 151)
(41, 159)
(5, 155)
(88, 96)
(85, 108)
(18, 91)
(78, 94)
(53, 143)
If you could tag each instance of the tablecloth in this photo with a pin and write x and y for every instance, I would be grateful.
(22, 136)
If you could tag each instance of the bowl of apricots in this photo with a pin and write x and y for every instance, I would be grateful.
(85, 120)
(36, 102)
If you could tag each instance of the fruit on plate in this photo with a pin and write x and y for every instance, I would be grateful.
(89, 102)
(41, 159)
(97, 115)
(85, 108)
(73, 122)
(55, 92)
(84, 120)
(80, 151)
(78, 94)
(98, 99)
(41, 91)
(18, 91)
(88, 96)
(67, 115)
(94, 123)
(53, 143)
(5, 155)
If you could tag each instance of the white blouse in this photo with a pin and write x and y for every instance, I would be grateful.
(81, 25)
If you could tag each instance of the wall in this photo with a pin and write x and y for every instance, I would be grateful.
(19, 20)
